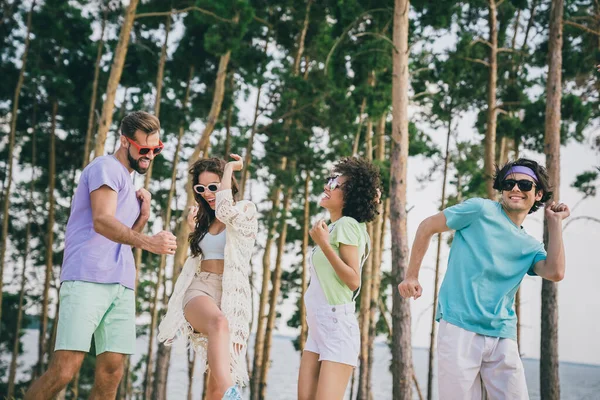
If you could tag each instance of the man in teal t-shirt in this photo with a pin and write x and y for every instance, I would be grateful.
(490, 255)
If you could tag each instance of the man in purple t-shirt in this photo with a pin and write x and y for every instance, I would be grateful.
(98, 273)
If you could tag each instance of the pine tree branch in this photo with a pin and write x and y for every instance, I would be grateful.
(476, 60)
(289, 114)
(418, 95)
(345, 32)
(263, 21)
(582, 27)
(488, 44)
(584, 217)
(379, 35)
(182, 11)
(508, 50)
(418, 70)
(509, 103)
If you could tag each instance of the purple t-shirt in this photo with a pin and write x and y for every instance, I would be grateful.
(90, 256)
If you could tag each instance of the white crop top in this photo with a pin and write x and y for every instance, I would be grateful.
(213, 246)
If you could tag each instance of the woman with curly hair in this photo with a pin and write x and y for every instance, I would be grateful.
(332, 347)
(211, 301)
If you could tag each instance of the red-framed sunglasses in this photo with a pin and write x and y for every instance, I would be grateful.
(143, 150)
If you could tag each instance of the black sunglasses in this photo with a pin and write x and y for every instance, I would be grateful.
(213, 187)
(523, 184)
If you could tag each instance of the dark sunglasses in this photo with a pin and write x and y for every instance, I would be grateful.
(523, 184)
(213, 187)
(143, 150)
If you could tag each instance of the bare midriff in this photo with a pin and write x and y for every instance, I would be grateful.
(213, 266)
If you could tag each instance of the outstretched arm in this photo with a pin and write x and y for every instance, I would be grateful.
(410, 286)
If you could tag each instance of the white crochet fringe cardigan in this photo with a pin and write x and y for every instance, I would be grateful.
(241, 225)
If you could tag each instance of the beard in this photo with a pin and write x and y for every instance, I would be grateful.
(135, 164)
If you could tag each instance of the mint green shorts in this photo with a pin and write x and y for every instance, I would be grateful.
(104, 310)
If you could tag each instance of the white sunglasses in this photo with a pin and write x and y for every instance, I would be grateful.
(213, 187)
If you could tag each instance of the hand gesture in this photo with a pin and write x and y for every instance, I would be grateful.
(144, 197)
(410, 287)
(557, 212)
(191, 217)
(238, 162)
(320, 233)
(163, 243)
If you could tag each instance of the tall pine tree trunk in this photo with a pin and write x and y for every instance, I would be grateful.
(549, 378)
(116, 70)
(437, 266)
(215, 109)
(365, 294)
(191, 367)
(228, 118)
(378, 241)
(91, 115)
(122, 109)
(15, 353)
(490, 134)
(275, 289)
(11, 148)
(305, 243)
(160, 272)
(401, 336)
(49, 241)
(259, 341)
(259, 369)
(250, 144)
(162, 362)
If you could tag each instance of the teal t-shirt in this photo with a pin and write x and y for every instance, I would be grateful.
(489, 258)
(348, 231)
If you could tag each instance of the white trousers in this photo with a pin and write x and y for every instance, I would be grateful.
(466, 358)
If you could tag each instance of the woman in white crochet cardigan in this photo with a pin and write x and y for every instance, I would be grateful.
(211, 301)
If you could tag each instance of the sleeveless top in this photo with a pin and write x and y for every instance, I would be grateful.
(213, 246)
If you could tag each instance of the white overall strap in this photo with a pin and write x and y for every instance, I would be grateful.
(362, 262)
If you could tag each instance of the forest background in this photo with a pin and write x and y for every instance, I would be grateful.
(435, 92)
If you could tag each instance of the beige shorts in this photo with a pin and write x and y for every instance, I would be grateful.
(205, 284)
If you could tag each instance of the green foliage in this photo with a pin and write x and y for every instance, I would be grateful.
(311, 116)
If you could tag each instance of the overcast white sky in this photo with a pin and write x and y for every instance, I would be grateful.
(579, 304)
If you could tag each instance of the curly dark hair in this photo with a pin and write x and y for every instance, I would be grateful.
(206, 215)
(360, 189)
(542, 184)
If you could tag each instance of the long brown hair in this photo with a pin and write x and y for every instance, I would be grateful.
(206, 215)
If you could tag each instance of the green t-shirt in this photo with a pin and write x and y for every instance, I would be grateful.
(350, 232)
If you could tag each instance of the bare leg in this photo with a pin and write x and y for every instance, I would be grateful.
(109, 371)
(308, 377)
(63, 367)
(333, 380)
(205, 317)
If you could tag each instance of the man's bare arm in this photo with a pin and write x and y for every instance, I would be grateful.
(410, 286)
(104, 207)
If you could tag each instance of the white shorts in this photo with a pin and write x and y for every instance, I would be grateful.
(333, 333)
(466, 358)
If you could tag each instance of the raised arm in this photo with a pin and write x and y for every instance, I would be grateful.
(240, 216)
(553, 267)
(104, 207)
(410, 286)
